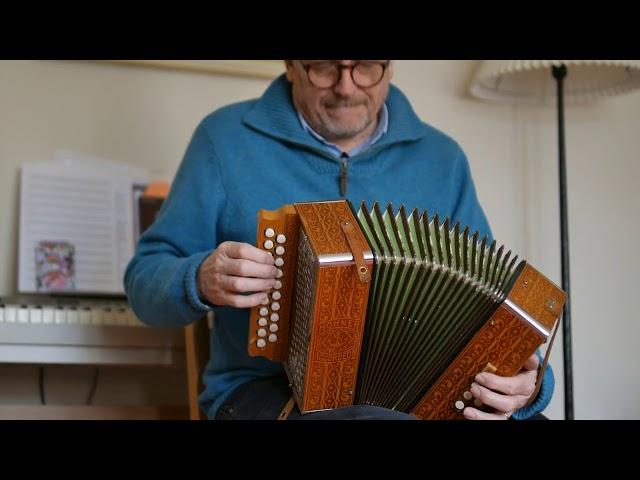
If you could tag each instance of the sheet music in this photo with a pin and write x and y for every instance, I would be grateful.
(88, 206)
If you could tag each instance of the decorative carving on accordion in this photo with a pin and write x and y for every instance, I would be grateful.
(322, 223)
(538, 296)
(505, 340)
(336, 337)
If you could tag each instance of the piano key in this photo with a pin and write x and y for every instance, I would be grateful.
(23, 314)
(10, 313)
(35, 314)
(59, 316)
(73, 316)
(48, 314)
(96, 316)
(85, 316)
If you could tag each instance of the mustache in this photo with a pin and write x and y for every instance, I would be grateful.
(344, 103)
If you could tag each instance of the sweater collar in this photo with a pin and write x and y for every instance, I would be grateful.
(275, 115)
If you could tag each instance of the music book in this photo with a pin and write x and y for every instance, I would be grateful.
(77, 227)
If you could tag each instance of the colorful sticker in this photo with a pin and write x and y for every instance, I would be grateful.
(55, 267)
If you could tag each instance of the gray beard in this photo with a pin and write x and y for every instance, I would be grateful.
(333, 130)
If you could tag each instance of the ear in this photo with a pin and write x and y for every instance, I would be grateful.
(290, 72)
(390, 69)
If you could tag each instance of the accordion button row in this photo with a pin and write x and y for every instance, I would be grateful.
(270, 233)
(263, 333)
(272, 305)
(268, 245)
(261, 343)
(459, 404)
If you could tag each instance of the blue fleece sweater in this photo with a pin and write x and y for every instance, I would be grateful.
(254, 155)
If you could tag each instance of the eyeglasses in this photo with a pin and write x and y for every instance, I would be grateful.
(364, 73)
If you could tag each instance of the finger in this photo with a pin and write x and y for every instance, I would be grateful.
(521, 384)
(245, 251)
(246, 301)
(471, 413)
(502, 403)
(249, 268)
(532, 363)
(242, 285)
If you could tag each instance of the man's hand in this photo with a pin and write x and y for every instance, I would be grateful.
(234, 269)
(504, 394)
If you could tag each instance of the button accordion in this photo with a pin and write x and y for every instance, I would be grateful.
(397, 310)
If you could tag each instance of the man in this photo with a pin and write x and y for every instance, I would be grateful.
(328, 129)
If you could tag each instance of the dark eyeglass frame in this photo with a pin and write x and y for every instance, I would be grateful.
(351, 68)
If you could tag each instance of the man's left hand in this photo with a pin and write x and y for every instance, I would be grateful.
(504, 394)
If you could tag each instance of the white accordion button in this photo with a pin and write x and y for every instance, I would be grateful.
(273, 327)
(275, 306)
(459, 404)
(262, 332)
(276, 295)
(261, 343)
(269, 232)
(273, 337)
(281, 238)
(264, 311)
(278, 285)
(467, 395)
(279, 262)
(279, 274)
(274, 317)
(268, 244)
(262, 322)
(279, 250)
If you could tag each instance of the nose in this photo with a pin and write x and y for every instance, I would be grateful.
(345, 86)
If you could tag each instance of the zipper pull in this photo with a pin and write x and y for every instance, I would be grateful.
(343, 174)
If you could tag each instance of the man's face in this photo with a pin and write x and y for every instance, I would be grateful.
(344, 110)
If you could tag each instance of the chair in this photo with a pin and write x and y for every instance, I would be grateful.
(197, 353)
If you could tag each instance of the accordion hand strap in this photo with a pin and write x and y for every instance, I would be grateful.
(357, 250)
(543, 366)
(284, 414)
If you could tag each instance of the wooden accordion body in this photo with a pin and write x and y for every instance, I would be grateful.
(395, 310)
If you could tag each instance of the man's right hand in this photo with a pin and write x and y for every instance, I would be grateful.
(234, 269)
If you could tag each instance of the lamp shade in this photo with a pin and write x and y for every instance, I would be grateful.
(530, 81)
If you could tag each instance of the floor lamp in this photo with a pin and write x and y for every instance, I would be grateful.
(570, 81)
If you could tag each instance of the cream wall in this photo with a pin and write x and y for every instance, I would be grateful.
(145, 116)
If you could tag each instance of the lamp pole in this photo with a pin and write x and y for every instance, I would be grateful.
(559, 73)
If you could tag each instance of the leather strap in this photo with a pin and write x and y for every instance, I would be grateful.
(543, 366)
(357, 250)
(284, 414)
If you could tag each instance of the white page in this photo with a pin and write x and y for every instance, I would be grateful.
(85, 206)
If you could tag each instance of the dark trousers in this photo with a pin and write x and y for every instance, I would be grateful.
(264, 399)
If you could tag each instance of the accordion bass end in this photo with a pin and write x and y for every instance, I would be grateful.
(393, 309)
(522, 323)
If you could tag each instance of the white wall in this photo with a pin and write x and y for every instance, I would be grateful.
(139, 115)
(146, 116)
